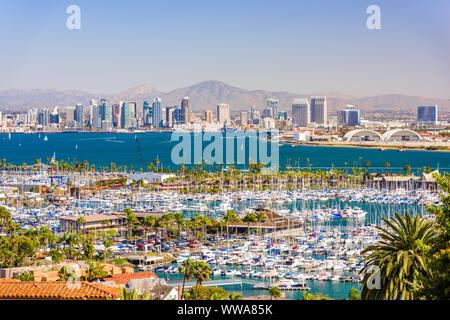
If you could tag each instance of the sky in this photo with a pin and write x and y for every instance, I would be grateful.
(300, 46)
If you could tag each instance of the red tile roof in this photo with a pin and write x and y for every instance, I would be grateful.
(56, 290)
(124, 278)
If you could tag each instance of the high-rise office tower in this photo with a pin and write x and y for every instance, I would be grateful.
(116, 115)
(427, 115)
(319, 110)
(133, 109)
(273, 104)
(96, 116)
(157, 112)
(185, 111)
(79, 116)
(301, 112)
(349, 117)
(170, 121)
(223, 113)
(209, 118)
(107, 112)
(177, 117)
(267, 113)
(148, 113)
(126, 119)
(44, 117)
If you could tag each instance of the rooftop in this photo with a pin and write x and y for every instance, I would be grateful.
(126, 277)
(56, 290)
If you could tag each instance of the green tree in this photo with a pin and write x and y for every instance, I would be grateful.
(435, 283)
(398, 258)
(274, 292)
(201, 272)
(186, 269)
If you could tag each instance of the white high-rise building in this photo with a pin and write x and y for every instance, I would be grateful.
(223, 113)
(301, 116)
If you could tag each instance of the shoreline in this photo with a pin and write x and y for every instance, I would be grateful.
(399, 148)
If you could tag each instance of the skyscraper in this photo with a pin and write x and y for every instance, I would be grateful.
(209, 116)
(267, 113)
(301, 115)
(116, 115)
(44, 117)
(223, 113)
(126, 118)
(185, 111)
(148, 113)
(157, 112)
(170, 121)
(79, 116)
(106, 111)
(273, 104)
(427, 115)
(349, 117)
(319, 110)
(96, 116)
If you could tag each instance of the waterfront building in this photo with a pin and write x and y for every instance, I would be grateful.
(94, 223)
(170, 117)
(273, 105)
(177, 116)
(349, 117)
(427, 115)
(185, 111)
(79, 116)
(116, 115)
(319, 110)
(106, 111)
(157, 112)
(44, 117)
(282, 115)
(96, 116)
(223, 113)
(54, 117)
(209, 116)
(148, 113)
(267, 113)
(301, 116)
(133, 109)
(126, 116)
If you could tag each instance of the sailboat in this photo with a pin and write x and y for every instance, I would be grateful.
(45, 138)
(54, 157)
(76, 147)
(9, 135)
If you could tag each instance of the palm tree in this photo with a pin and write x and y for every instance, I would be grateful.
(274, 292)
(201, 272)
(407, 169)
(186, 269)
(399, 257)
(387, 165)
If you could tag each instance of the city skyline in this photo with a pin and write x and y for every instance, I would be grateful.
(115, 49)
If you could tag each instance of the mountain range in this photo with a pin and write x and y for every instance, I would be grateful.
(207, 94)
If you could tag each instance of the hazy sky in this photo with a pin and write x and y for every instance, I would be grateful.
(299, 46)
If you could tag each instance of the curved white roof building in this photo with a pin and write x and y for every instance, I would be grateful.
(362, 135)
(401, 135)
